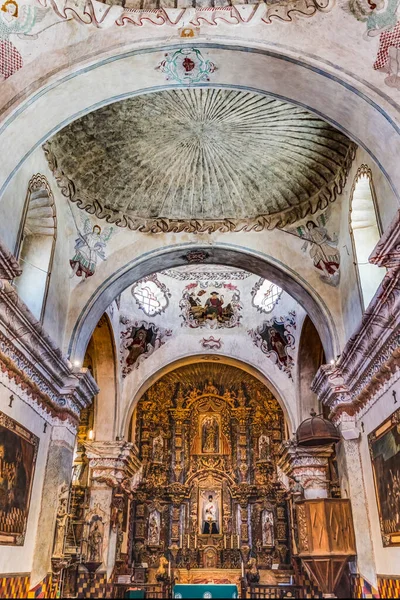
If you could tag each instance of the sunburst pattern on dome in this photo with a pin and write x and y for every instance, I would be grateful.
(200, 159)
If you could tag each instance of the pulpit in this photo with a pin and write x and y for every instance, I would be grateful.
(325, 539)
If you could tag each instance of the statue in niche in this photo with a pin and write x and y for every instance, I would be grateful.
(158, 449)
(263, 447)
(95, 541)
(210, 516)
(61, 522)
(210, 435)
(153, 536)
(268, 528)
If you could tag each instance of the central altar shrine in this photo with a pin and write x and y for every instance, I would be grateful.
(209, 496)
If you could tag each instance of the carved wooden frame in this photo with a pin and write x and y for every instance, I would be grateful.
(388, 539)
(10, 538)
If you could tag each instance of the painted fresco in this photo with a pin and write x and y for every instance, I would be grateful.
(321, 247)
(212, 304)
(276, 339)
(151, 295)
(384, 445)
(90, 246)
(139, 339)
(18, 451)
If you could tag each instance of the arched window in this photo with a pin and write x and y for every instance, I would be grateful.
(36, 242)
(365, 232)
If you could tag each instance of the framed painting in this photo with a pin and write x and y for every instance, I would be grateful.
(210, 511)
(384, 445)
(18, 452)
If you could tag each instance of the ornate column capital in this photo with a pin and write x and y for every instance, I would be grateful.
(307, 466)
(112, 462)
(31, 358)
(387, 251)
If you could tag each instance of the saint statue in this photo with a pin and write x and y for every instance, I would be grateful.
(153, 538)
(210, 435)
(61, 522)
(95, 542)
(158, 449)
(210, 520)
(263, 447)
(268, 528)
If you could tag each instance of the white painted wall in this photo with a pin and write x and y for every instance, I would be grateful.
(387, 559)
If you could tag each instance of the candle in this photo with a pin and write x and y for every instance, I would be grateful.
(225, 541)
(169, 569)
(195, 540)
(188, 540)
(242, 569)
(231, 540)
(238, 540)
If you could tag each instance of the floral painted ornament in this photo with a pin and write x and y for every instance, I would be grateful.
(186, 66)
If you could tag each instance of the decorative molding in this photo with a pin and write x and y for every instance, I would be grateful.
(307, 466)
(112, 462)
(9, 266)
(211, 343)
(36, 364)
(371, 357)
(102, 16)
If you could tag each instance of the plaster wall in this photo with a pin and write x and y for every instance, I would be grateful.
(17, 559)
(387, 559)
(11, 211)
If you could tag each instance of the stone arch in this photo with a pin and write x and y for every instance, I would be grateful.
(223, 254)
(310, 358)
(104, 356)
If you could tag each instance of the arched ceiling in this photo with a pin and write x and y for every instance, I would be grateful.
(200, 159)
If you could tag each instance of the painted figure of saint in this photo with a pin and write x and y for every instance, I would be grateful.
(210, 436)
(210, 521)
(136, 346)
(268, 528)
(89, 247)
(214, 306)
(278, 344)
(325, 256)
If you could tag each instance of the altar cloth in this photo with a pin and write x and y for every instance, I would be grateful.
(205, 590)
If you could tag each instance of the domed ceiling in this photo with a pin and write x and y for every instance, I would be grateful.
(200, 159)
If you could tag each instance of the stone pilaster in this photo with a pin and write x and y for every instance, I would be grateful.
(308, 466)
(9, 266)
(353, 486)
(57, 475)
(110, 464)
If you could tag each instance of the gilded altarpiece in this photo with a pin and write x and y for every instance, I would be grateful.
(209, 488)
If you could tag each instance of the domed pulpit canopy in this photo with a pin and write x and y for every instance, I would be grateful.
(316, 431)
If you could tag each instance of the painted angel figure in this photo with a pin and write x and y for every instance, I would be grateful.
(16, 20)
(89, 247)
(323, 251)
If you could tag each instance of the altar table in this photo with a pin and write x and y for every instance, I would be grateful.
(205, 590)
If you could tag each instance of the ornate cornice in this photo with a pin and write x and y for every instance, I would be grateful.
(112, 462)
(36, 364)
(9, 266)
(371, 357)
